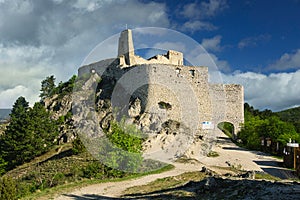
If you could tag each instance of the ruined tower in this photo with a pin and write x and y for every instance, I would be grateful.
(126, 48)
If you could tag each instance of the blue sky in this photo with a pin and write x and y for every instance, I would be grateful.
(254, 43)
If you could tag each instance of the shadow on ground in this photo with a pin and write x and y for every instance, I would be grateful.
(215, 188)
(274, 168)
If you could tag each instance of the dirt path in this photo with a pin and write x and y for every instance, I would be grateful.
(115, 189)
(229, 155)
(235, 156)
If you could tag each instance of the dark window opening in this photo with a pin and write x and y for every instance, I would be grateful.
(164, 105)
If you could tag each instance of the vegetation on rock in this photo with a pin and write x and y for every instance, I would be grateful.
(124, 149)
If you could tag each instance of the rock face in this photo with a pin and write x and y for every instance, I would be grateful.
(61, 107)
(135, 108)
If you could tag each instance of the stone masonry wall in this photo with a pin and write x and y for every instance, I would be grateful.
(185, 88)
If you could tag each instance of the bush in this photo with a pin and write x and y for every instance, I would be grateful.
(212, 154)
(78, 146)
(123, 148)
(8, 189)
(93, 170)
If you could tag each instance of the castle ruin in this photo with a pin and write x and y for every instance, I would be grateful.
(162, 88)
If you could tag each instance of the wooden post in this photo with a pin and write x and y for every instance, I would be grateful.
(295, 158)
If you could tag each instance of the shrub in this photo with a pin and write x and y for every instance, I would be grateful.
(94, 169)
(8, 189)
(78, 146)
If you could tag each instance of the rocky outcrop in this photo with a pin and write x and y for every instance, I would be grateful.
(237, 188)
(135, 108)
(60, 107)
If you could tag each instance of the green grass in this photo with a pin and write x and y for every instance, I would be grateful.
(213, 154)
(266, 176)
(51, 192)
(226, 128)
(277, 157)
(60, 169)
(186, 160)
(234, 168)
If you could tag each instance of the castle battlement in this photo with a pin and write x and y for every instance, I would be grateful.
(128, 58)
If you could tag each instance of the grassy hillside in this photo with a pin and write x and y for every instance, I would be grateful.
(291, 115)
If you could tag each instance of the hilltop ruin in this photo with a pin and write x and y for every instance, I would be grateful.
(163, 97)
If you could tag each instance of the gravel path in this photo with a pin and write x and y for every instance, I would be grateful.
(232, 155)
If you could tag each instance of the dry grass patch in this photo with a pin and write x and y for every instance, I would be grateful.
(166, 183)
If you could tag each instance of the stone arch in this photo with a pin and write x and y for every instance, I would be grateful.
(228, 128)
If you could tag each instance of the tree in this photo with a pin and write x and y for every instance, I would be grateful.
(30, 133)
(66, 87)
(249, 134)
(20, 108)
(47, 87)
(44, 129)
(265, 124)
(16, 134)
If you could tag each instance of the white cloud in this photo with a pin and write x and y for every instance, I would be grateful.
(275, 91)
(212, 44)
(253, 41)
(197, 14)
(10, 95)
(287, 61)
(204, 9)
(197, 26)
(41, 38)
(90, 5)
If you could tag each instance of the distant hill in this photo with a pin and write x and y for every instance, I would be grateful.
(291, 115)
(4, 114)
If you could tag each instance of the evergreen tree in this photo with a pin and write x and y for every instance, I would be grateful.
(16, 135)
(48, 87)
(66, 87)
(30, 133)
(44, 129)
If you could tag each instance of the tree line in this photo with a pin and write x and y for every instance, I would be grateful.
(263, 126)
(31, 131)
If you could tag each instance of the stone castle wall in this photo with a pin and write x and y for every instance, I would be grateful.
(166, 80)
(186, 89)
